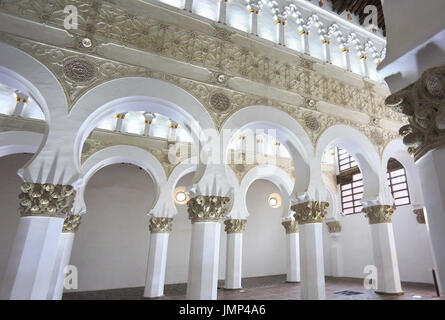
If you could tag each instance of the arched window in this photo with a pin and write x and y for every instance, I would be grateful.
(398, 182)
(350, 180)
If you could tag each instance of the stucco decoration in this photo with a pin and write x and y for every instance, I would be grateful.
(71, 223)
(310, 212)
(46, 200)
(420, 215)
(291, 226)
(160, 225)
(423, 103)
(379, 214)
(235, 226)
(79, 70)
(334, 226)
(207, 208)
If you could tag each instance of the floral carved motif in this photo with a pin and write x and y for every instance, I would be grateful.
(207, 208)
(160, 225)
(310, 212)
(379, 214)
(71, 223)
(235, 226)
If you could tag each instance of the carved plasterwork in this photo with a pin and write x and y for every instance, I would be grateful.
(379, 214)
(105, 22)
(46, 200)
(235, 226)
(207, 208)
(420, 215)
(71, 223)
(310, 212)
(423, 103)
(290, 226)
(160, 225)
(334, 226)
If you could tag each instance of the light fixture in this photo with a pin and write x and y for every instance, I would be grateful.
(274, 200)
(180, 196)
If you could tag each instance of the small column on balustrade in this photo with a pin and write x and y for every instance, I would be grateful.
(222, 11)
(172, 132)
(70, 227)
(188, 5)
(280, 21)
(149, 117)
(364, 65)
(346, 58)
(384, 248)
(160, 229)
(326, 50)
(254, 10)
(120, 121)
(292, 250)
(305, 41)
(43, 209)
(335, 251)
(21, 101)
(310, 216)
(205, 213)
(234, 256)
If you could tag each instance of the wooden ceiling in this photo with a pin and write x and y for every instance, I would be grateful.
(357, 7)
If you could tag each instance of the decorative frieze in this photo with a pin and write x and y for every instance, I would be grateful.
(207, 208)
(379, 214)
(72, 223)
(420, 215)
(310, 212)
(291, 226)
(235, 226)
(334, 226)
(423, 102)
(47, 200)
(160, 225)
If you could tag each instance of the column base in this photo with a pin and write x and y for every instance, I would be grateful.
(292, 281)
(390, 293)
(232, 289)
(153, 298)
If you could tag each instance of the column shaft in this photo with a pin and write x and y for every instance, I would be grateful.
(204, 259)
(32, 259)
(234, 259)
(312, 263)
(293, 257)
(157, 261)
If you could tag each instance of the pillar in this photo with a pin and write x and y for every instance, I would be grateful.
(205, 213)
(384, 248)
(347, 58)
(305, 41)
(172, 132)
(292, 251)
(254, 21)
(70, 227)
(120, 121)
(364, 64)
(326, 50)
(22, 100)
(281, 24)
(222, 10)
(43, 208)
(310, 216)
(188, 5)
(424, 136)
(234, 256)
(148, 122)
(160, 229)
(335, 251)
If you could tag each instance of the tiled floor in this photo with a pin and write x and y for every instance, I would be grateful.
(269, 288)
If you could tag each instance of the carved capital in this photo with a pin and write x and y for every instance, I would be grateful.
(334, 226)
(160, 225)
(235, 226)
(310, 212)
(379, 214)
(207, 208)
(72, 223)
(423, 103)
(46, 200)
(420, 215)
(290, 226)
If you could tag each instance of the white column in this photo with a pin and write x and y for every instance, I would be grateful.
(292, 251)
(31, 262)
(62, 260)
(254, 21)
(148, 122)
(364, 63)
(157, 256)
(234, 256)
(346, 58)
(222, 11)
(432, 178)
(312, 263)
(188, 5)
(70, 227)
(310, 216)
(335, 249)
(22, 100)
(327, 50)
(120, 121)
(281, 31)
(384, 248)
(305, 41)
(172, 132)
(204, 259)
